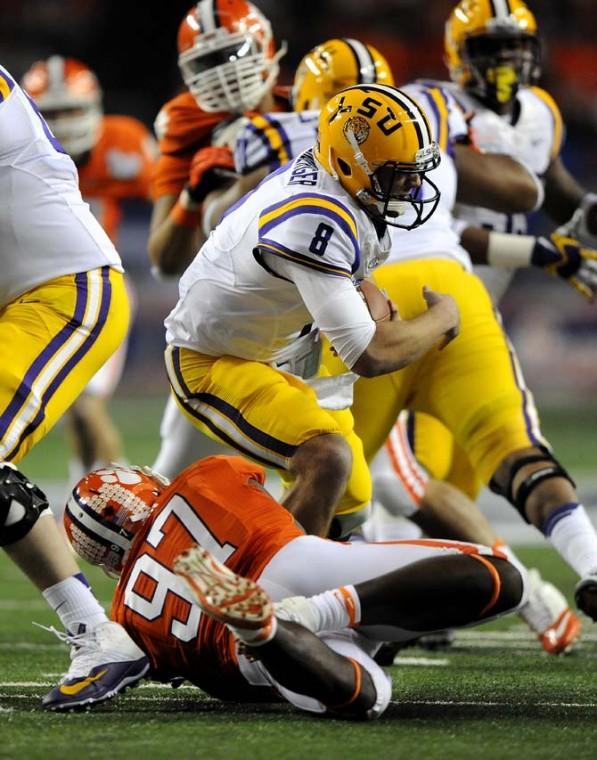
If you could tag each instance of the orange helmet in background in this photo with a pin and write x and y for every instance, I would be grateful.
(70, 99)
(492, 48)
(226, 55)
(107, 508)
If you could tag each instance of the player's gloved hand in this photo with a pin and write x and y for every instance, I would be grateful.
(585, 594)
(566, 257)
(210, 168)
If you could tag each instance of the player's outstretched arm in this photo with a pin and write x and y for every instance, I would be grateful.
(174, 234)
(397, 343)
(504, 183)
(560, 254)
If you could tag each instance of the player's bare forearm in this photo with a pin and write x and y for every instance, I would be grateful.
(171, 246)
(563, 194)
(398, 343)
(219, 201)
(476, 241)
(301, 662)
(503, 183)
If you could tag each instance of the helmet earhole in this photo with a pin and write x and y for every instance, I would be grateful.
(344, 167)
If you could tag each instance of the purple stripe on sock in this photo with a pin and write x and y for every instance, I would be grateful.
(557, 515)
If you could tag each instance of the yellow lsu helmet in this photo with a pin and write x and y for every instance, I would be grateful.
(376, 142)
(492, 48)
(334, 65)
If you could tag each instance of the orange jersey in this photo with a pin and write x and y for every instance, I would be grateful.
(219, 503)
(119, 167)
(183, 128)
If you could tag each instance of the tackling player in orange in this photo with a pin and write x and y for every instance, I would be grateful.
(179, 546)
(114, 156)
(229, 64)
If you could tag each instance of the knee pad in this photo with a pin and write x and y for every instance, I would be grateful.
(551, 469)
(343, 525)
(21, 504)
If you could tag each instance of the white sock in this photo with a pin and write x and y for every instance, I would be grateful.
(74, 603)
(573, 535)
(259, 637)
(337, 609)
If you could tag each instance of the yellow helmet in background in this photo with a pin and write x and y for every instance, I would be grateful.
(492, 48)
(334, 65)
(370, 137)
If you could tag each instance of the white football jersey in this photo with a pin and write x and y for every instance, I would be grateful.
(232, 299)
(46, 228)
(271, 139)
(274, 139)
(436, 238)
(534, 135)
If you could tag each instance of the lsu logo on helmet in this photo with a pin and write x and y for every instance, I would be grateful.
(376, 141)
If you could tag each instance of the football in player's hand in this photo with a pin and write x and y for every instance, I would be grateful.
(379, 305)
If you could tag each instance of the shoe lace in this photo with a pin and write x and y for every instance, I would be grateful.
(84, 648)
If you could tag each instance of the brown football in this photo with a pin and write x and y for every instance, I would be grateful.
(376, 300)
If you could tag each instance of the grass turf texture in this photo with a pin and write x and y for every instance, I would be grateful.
(494, 694)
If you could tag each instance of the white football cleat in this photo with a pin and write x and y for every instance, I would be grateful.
(227, 597)
(548, 615)
(104, 662)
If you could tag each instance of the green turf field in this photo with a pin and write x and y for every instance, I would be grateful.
(493, 695)
(573, 433)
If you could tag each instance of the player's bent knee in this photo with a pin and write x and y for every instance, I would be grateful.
(518, 490)
(21, 504)
(512, 586)
(325, 457)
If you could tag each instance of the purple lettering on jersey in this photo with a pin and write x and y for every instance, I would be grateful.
(305, 170)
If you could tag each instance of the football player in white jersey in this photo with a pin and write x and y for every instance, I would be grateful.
(282, 265)
(270, 141)
(267, 141)
(492, 51)
(64, 311)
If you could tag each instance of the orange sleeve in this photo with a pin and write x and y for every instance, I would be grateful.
(182, 129)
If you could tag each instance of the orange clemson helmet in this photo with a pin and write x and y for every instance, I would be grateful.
(70, 99)
(226, 55)
(107, 508)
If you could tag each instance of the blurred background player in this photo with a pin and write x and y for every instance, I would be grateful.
(114, 157)
(198, 620)
(64, 312)
(493, 53)
(229, 64)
